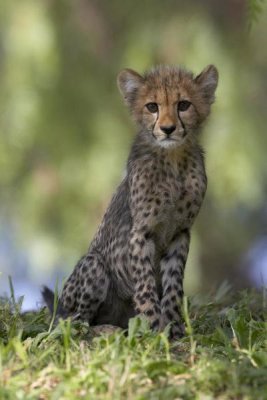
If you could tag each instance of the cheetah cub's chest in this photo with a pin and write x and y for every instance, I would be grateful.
(183, 190)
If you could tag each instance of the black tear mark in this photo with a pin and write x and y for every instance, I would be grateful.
(166, 94)
(183, 125)
(155, 125)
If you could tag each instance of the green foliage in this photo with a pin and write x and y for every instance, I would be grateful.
(226, 359)
(254, 10)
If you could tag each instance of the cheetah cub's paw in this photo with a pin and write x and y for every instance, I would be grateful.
(175, 329)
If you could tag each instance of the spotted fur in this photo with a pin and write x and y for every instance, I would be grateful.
(135, 263)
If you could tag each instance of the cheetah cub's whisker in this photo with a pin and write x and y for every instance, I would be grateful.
(135, 263)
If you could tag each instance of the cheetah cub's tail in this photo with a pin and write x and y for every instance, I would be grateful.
(54, 305)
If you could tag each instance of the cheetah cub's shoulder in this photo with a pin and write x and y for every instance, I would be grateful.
(135, 263)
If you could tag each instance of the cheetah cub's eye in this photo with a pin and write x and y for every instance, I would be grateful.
(152, 107)
(183, 105)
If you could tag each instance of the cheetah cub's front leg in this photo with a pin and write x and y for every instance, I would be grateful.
(142, 251)
(172, 269)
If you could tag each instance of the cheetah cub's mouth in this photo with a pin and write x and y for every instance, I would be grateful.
(168, 142)
(169, 103)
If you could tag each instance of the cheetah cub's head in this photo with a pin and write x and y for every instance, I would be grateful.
(169, 103)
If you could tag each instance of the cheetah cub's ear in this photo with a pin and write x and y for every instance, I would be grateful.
(207, 81)
(129, 82)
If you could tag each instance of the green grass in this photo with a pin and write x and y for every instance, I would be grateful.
(223, 356)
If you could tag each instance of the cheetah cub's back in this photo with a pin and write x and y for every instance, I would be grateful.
(135, 263)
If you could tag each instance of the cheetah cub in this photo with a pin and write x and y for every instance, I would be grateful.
(135, 263)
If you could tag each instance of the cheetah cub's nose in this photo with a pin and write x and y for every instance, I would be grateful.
(168, 129)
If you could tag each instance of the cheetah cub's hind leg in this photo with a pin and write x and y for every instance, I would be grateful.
(91, 288)
(172, 269)
(83, 293)
(66, 305)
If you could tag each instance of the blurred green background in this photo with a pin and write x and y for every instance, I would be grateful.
(65, 133)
